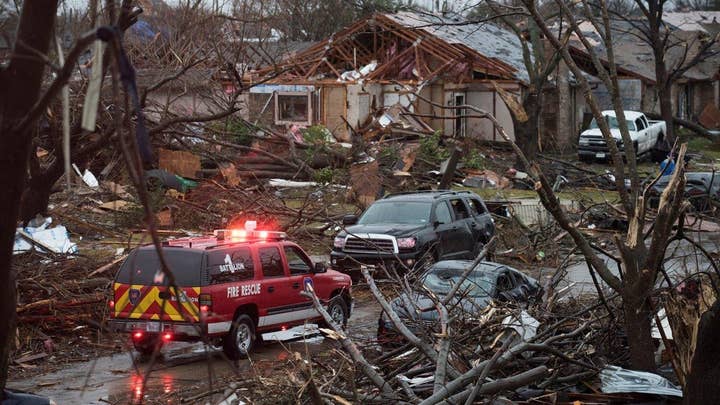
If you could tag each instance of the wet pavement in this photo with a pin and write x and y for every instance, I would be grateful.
(681, 260)
(123, 378)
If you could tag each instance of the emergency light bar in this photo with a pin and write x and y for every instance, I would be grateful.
(242, 235)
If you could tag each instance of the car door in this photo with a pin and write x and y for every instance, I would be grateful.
(300, 267)
(481, 221)
(466, 240)
(231, 281)
(276, 287)
(643, 136)
(447, 230)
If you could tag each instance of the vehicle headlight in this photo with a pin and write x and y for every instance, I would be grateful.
(406, 243)
(339, 242)
(584, 142)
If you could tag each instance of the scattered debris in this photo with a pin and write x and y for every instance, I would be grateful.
(44, 239)
(86, 176)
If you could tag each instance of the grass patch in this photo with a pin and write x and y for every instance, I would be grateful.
(708, 149)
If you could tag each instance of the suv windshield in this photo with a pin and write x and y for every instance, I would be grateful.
(477, 283)
(143, 267)
(613, 123)
(397, 212)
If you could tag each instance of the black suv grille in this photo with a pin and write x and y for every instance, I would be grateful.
(369, 245)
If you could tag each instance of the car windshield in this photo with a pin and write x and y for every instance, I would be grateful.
(397, 212)
(477, 284)
(613, 123)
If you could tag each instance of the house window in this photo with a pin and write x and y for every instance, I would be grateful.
(292, 108)
(684, 101)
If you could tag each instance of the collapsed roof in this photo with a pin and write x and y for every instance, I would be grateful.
(406, 46)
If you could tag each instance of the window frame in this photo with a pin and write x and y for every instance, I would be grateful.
(475, 205)
(232, 253)
(462, 206)
(262, 266)
(308, 112)
(447, 207)
(300, 253)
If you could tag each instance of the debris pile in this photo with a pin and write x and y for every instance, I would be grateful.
(62, 301)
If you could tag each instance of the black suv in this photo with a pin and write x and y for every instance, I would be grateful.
(407, 228)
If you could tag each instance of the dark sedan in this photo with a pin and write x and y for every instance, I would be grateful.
(486, 282)
(702, 189)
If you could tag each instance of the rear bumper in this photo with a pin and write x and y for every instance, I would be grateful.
(177, 328)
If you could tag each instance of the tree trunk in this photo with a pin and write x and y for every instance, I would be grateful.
(20, 86)
(565, 132)
(638, 318)
(664, 87)
(666, 112)
(37, 192)
(526, 133)
(702, 385)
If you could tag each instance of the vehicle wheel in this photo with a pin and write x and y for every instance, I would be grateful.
(147, 345)
(659, 151)
(637, 152)
(241, 339)
(337, 309)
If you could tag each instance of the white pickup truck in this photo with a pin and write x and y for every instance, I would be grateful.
(647, 136)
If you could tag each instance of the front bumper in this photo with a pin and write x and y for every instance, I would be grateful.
(346, 262)
(177, 328)
(597, 149)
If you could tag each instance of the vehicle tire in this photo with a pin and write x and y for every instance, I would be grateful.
(337, 309)
(241, 339)
(147, 345)
(659, 151)
(637, 152)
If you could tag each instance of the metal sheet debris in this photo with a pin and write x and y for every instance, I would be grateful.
(616, 379)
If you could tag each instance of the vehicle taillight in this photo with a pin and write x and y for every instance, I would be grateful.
(167, 336)
(137, 335)
(205, 301)
(111, 304)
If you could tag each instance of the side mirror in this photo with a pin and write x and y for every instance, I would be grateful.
(320, 267)
(437, 223)
(350, 219)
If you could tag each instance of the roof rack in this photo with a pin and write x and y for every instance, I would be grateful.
(438, 192)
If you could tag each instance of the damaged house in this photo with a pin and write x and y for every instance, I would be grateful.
(695, 89)
(380, 62)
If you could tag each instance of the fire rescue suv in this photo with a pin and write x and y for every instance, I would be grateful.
(232, 287)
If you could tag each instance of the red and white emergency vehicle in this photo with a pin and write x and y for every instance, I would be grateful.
(232, 287)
